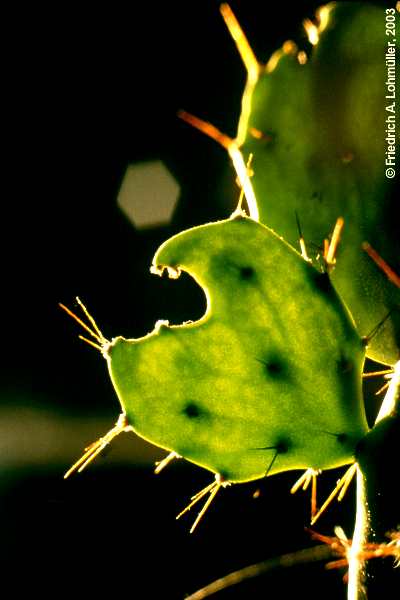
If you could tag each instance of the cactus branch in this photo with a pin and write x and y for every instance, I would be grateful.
(377, 495)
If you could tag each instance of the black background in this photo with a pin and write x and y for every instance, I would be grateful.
(87, 91)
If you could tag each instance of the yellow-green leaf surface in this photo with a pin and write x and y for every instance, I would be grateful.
(270, 374)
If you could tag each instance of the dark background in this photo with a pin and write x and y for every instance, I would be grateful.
(89, 91)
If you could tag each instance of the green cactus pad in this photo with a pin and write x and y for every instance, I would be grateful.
(317, 134)
(269, 378)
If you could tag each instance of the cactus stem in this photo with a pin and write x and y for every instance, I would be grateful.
(355, 588)
(368, 515)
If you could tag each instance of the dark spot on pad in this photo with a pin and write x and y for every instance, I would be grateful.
(321, 282)
(345, 365)
(317, 196)
(282, 446)
(194, 411)
(342, 438)
(275, 367)
(246, 273)
(191, 410)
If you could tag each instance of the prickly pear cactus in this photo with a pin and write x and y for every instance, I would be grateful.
(317, 130)
(268, 380)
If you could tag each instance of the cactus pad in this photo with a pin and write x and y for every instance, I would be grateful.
(316, 129)
(268, 380)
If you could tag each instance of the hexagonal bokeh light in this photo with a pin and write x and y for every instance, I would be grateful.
(148, 194)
